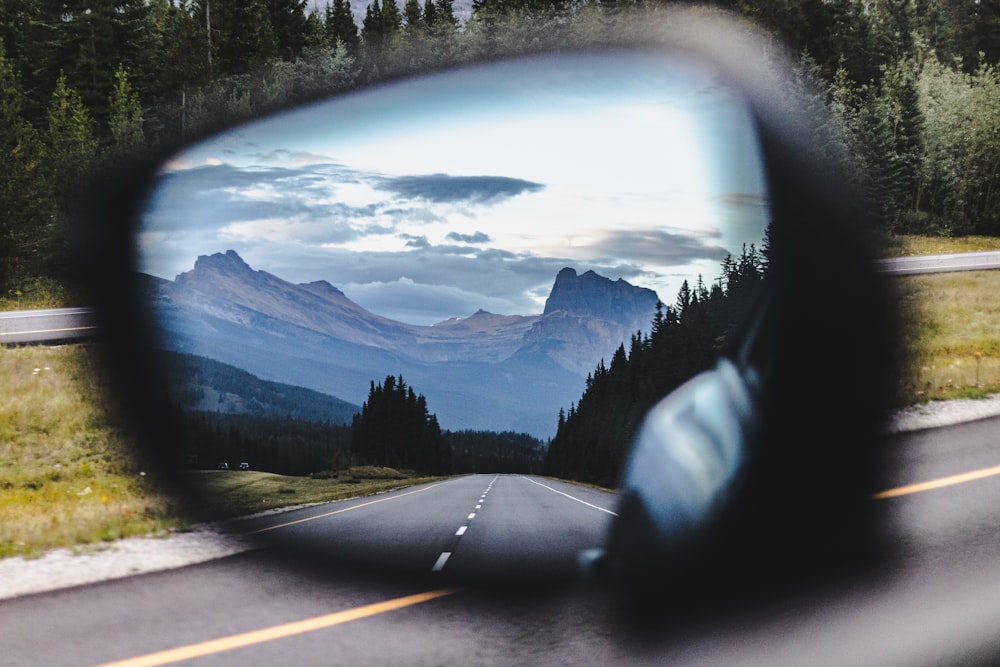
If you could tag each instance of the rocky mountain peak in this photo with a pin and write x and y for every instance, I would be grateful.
(591, 295)
(228, 262)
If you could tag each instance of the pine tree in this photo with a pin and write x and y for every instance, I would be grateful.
(340, 25)
(373, 27)
(70, 138)
(25, 185)
(395, 428)
(289, 26)
(413, 15)
(125, 117)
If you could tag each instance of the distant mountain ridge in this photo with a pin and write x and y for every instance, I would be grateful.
(197, 384)
(485, 371)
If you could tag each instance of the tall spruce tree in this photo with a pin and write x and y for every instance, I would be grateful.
(125, 119)
(25, 185)
(395, 428)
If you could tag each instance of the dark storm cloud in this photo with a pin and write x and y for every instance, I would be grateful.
(444, 188)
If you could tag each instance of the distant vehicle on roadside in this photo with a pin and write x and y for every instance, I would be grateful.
(244, 466)
(223, 466)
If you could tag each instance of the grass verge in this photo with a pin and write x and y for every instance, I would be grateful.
(909, 246)
(951, 335)
(40, 292)
(234, 493)
(70, 474)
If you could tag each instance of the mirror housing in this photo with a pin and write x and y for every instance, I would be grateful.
(757, 471)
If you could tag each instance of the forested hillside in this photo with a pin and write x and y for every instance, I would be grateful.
(911, 88)
(687, 337)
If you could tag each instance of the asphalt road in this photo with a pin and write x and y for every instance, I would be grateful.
(481, 527)
(939, 603)
(47, 326)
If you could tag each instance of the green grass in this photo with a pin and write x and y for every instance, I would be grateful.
(951, 335)
(70, 476)
(234, 493)
(40, 292)
(908, 246)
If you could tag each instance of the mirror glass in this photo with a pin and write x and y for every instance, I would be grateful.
(475, 243)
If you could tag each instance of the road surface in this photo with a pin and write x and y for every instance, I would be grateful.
(514, 527)
(47, 326)
(938, 604)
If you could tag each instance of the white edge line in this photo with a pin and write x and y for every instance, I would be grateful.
(582, 502)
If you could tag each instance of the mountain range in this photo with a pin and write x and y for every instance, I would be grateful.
(483, 371)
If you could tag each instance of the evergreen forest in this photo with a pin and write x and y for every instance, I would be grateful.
(394, 428)
(595, 435)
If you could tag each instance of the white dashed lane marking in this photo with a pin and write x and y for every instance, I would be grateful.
(445, 555)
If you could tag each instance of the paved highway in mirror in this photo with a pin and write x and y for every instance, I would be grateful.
(938, 604)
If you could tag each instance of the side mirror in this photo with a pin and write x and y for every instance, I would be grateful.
(491, 235)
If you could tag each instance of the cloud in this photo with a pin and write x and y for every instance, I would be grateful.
(415, 241)
(659, 246)
(472, 239)
(444, 188)
(743, 199)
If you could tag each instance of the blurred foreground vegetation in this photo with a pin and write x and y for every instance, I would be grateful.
(71, 475)
(950, 335)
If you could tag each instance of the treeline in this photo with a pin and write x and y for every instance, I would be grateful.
(491, 452)
(911, 93)
(285, 446)
(395, 429)
(594, 435)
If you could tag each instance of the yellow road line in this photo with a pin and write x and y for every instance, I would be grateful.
(346, 509)
(214, 646)
(939, 483)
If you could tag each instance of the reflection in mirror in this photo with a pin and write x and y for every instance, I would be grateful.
(450, 275)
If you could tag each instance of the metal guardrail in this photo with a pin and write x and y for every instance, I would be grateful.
(47, 326)
(965, 261)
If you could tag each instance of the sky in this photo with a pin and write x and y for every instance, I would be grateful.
(435, 197)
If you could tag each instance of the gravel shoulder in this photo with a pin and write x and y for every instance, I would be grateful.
(63, 568)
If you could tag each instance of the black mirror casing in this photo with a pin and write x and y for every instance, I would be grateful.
(807, 381)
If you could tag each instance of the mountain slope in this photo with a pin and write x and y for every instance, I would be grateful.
(485, 371)
(200, 384)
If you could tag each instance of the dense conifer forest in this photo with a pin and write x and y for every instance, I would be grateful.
(686, 338)
(394, 428)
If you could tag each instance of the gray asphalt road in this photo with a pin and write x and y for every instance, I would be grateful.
(40, 326)
(481, 527)
(939, 604)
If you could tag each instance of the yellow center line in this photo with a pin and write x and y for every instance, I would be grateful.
(346, 509)
(214, 646)
(939, 483)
